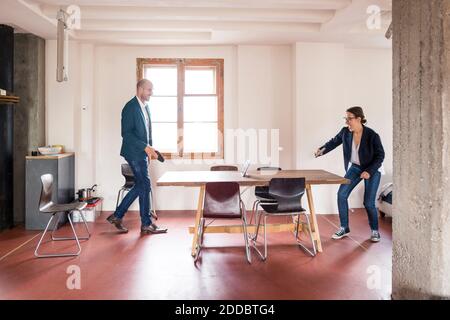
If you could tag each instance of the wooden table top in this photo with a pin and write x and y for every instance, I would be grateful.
(255, 178)
(50, 157)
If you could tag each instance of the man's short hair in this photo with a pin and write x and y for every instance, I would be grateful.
(142, 82)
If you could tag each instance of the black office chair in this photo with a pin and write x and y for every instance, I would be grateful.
(262, 192)
(224, 168)
(222, 201)
(128, 174)
(46, 206)
(287, 193)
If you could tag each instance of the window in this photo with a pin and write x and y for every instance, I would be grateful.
(186, 106)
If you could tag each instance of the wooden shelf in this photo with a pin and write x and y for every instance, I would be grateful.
(9, 99)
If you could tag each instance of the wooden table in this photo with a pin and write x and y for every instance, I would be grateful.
(254, 178)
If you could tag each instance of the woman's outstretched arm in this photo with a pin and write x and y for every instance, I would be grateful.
(332, 144)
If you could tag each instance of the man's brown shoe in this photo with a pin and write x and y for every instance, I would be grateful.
(117, 223)
(153, 228)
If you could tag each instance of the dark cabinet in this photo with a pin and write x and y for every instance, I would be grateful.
(62, 167)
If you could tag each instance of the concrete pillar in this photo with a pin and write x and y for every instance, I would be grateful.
(29, 114)
(421, 112)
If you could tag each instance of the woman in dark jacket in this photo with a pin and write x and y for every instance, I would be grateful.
(363, 158)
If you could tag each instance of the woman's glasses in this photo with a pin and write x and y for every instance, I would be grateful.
(347, 119)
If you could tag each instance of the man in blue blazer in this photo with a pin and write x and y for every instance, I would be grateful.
(137, 150)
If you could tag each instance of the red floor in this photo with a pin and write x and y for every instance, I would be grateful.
(131, 266)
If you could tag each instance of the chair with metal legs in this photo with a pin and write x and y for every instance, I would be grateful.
(46, 206)
(129, 183)
(222, 201)
(287, 193)
(262, 192)
(223, 168)
(127, 173)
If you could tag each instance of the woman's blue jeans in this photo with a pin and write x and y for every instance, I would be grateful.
(140, 189)
(370, 193)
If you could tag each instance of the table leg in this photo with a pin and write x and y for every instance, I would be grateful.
(315, 227)
(198, 217)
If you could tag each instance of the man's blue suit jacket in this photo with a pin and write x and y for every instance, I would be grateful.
(134, 133)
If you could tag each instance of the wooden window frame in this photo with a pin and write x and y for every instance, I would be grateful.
(141, 63)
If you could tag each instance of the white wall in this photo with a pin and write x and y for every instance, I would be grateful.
(115, 78)
(264, 84)
(265, 93)
(330, 78)
(302, 90)
(70, 108)
(91, 121)
(318, 104)
(62, 98)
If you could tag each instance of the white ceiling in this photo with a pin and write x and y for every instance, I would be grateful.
(205, 22)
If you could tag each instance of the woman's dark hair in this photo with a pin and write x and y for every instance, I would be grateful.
(358, 113)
